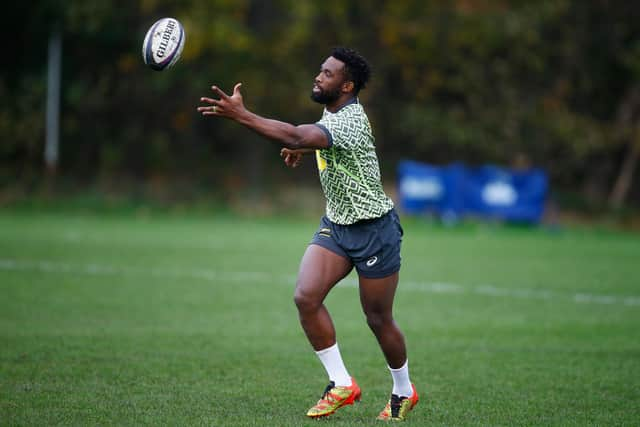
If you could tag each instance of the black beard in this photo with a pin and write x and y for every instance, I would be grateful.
(325, 98)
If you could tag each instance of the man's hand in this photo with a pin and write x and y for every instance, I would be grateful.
(292, 158)
(231, 107)
(307, 136)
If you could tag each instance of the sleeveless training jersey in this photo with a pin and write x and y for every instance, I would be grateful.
(349, 169)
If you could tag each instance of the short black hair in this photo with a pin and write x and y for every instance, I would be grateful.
(356, 68)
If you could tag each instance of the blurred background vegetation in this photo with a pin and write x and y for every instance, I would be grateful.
(552, 84)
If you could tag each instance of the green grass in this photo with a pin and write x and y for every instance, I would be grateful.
(167, 320)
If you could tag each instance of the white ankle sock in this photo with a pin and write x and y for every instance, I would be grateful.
(401, 381)
(332, 362)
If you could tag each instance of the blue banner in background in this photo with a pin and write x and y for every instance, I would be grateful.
(505, 194)
(454, 191)
(426, 188)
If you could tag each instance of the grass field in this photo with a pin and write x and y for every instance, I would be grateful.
(166, 320)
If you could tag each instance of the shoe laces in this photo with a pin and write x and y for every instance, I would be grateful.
(396, 403)
(325, 394)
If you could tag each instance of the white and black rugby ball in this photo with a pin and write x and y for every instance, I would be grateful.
(163, 44)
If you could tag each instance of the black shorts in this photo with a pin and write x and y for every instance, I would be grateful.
(372, 245)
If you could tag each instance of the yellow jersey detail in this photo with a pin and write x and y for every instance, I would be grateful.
(322, 163)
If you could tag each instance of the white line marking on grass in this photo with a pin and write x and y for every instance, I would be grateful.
(93, 269)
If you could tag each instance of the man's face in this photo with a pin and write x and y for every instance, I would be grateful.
(327, 86)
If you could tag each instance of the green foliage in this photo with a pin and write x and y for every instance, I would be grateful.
(477, 81)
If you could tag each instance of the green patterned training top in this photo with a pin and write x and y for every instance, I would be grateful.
(349, 169)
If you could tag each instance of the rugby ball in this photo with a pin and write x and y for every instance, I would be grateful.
(163, 44)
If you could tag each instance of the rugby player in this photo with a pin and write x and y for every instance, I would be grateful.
(360, 227)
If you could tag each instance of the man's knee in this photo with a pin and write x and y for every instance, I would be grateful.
(378, 320)
(305, 301)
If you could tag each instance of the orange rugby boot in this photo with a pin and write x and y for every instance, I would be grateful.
(333, 398)
(398, 407)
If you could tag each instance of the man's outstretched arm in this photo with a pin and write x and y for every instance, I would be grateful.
(288, 135)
